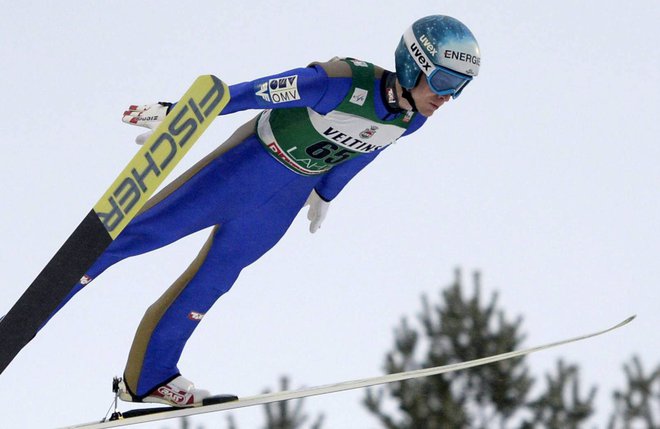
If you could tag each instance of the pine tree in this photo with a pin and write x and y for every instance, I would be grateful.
(639, 405)
(560, 406)
(459, 329)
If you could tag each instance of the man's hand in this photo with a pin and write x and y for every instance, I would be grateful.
(318, 209)
(147, 116)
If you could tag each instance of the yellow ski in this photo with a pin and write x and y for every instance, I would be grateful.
(198, 107)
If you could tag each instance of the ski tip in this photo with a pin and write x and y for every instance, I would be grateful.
(628, 320)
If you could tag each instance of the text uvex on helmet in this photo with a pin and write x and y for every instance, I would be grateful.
(443, 49)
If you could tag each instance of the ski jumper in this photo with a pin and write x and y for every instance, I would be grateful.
(321, 125)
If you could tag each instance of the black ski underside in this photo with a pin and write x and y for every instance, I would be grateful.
(51, 286)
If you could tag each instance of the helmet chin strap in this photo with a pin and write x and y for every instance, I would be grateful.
(409, 98)
(391, 95)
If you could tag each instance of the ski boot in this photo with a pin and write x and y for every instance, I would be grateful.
(178, 392)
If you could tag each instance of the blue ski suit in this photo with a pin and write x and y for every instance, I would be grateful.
(249, 195)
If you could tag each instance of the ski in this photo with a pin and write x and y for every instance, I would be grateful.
(168, 413)
(138, 412)
(170, 141)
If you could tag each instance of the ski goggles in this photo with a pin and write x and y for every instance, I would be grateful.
(444, 81)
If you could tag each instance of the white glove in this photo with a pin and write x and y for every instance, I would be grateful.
(318, 209)
(147, 116)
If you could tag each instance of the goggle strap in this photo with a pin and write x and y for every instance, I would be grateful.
(421, 59)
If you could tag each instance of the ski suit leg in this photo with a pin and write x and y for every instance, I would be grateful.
(235, 244)
(188, 204)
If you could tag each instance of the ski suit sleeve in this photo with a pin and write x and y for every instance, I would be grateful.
(299, 87)
(334, 181)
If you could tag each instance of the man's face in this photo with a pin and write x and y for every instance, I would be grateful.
(426, 100)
